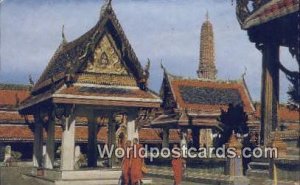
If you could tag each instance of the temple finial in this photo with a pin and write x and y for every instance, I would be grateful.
(245, 72)
(207, 15)
(106, 5)
(31, 82)
(147, 67)
(64, 40)
(161, 65)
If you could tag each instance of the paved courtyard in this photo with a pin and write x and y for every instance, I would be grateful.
(164, 181)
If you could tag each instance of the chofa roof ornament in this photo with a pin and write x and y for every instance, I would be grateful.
(64, 40)
(106, 6)
(244, 8)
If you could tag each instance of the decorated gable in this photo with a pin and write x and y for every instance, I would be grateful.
(106, 59)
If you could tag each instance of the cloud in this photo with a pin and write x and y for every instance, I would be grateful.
(160, 30)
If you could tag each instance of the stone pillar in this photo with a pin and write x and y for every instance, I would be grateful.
(281, 147)
(183, 142)
(50, 144)
(131, 130)
(165, 142)
(44, 155)
(68, 143)
(7, 154)
(92, 141)
(234, 166)
(77, 155)
(112, 140)
(37, 143)
(270, 91)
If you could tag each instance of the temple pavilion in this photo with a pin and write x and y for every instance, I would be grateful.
(97, 76)
(94, 91)
(271, 24)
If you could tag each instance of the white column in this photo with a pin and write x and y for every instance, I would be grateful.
(37, 143)
(132, 132)
(68, 144)
(50, 144)
(183, 142)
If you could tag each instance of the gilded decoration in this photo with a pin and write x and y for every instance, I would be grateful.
(121, 133)
(107, 79)
(106, 59)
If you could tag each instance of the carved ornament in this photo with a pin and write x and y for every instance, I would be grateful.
(106, 59)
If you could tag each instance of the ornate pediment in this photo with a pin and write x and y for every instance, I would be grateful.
(106, 59)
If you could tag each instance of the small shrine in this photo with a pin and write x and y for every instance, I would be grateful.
(97, 76)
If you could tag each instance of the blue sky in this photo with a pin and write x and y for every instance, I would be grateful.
(162, 30)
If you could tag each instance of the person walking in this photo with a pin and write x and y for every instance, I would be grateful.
(137, 161)
(126, 164)
(177, 167)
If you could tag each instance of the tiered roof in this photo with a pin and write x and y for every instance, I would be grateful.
(265, 11)
(101, 63)
(200, 99)
(14, 128)
(285, 113)
(23, 133)
(270, 21)
(208, 95)
(11, 95)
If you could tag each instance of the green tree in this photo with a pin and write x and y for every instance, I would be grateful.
(234, 119)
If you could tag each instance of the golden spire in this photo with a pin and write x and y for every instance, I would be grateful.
(207, 68)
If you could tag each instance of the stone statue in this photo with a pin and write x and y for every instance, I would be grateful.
(7, 155)
(77, 157)
(183, 143)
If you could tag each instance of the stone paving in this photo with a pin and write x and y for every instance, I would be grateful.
(164, 181)
(164, 175)
(12, 176)
(159, 176)
(190, 175)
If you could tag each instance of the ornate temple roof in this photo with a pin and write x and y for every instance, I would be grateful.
(199, 100)
(285, 114)
(208, 95)
(102, 57)
(24, 133)
(12, 117)
(107, 96)
(77, 52)
(14, 128)
(152, 135)
(11, 95)
(264, 11)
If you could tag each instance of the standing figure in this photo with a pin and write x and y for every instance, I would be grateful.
(178, 168)
(137, 161)
(126, 164)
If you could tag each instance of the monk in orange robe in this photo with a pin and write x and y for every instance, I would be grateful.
(177, 166)
(136, 164)
(126, 164)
